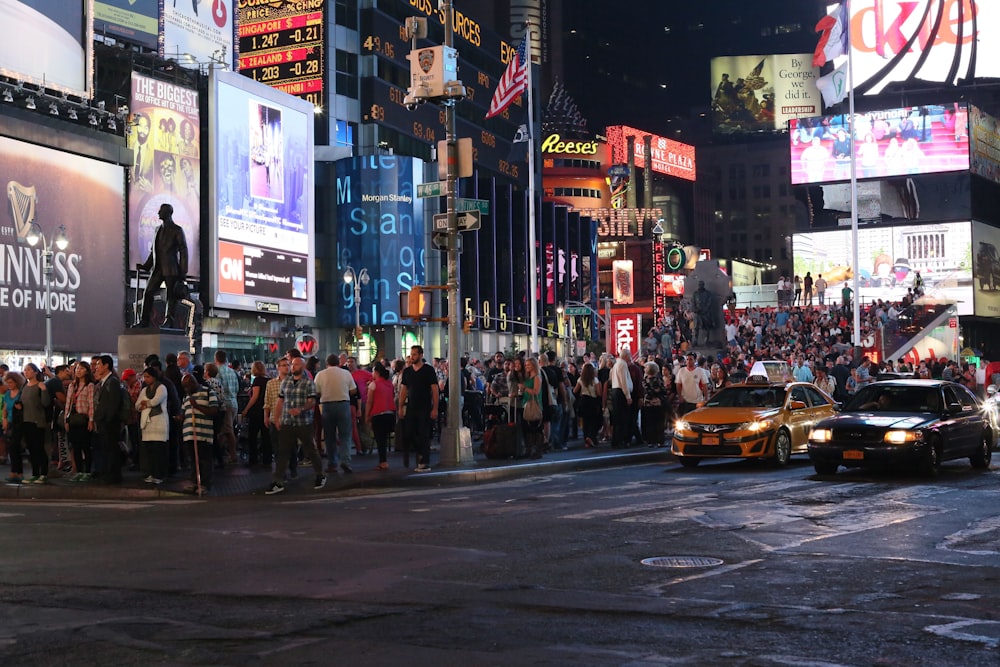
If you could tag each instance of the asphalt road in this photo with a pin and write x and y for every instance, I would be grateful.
(780, 568)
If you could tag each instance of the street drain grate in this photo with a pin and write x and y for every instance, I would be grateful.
(682, 561)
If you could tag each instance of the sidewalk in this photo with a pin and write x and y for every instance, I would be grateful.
(239, 480)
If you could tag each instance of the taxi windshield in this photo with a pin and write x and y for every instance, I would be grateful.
(745, 396)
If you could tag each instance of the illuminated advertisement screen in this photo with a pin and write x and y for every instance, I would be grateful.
(754, 93)
(668, 157)
(48, 43)
(166, 165)
(381, 230)
(924, 40)
(889, 259)
(984, 137)
(198, 32)
(281, 44)
(135, 21)
(895, 142)
(986, 269)
(262, 198)
(87, 289)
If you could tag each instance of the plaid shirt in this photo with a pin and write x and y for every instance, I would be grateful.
(231, 384)
(271, 394)
(82, 400)
(296, 393)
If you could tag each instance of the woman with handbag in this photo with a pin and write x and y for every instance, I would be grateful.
(515, 388)
(531, 406)
(80, 421)
(155, 424)
(13, 418)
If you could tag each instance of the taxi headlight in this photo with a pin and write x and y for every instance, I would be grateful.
(681, 425)
(821, 435)
(903, 437)
(757, 425)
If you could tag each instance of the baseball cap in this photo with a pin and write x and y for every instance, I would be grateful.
(128, 374)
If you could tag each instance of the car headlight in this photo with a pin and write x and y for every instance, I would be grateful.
(821, 435)
(681, 425)
(757, 425)
(903, 437)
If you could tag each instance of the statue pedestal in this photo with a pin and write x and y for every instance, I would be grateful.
(137, 344)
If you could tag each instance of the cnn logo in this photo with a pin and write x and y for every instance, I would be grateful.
(232, 268)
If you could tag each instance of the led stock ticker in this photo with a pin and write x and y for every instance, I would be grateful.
(284, 49)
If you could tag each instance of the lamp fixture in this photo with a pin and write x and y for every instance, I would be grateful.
(112, 125)
(31, 102)
(92, 120)
(72, 114)
(53, 109)
(8, 96)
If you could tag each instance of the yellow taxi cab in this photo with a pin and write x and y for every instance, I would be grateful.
(764, 420)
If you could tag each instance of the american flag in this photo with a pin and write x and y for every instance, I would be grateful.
(513, 82)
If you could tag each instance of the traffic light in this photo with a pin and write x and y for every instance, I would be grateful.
(466, 326)
(415, 304)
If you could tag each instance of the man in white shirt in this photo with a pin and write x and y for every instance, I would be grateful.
(691, 385)
(621, 399)
(820, 287)
(335, 386)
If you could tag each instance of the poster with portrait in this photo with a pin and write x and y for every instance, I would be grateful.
(166, 165)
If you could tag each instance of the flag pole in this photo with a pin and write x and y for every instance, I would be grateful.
(854, 187)
(533, 281)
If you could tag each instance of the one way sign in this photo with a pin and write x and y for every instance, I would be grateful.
(467, 221)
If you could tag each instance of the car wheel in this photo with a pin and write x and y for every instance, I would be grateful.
(782, 448)
(689, 461)
(825, 468)
(981, 459)
(931, 463)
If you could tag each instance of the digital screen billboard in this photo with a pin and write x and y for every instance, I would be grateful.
(755, 93)
(986, 269)
(894, 142)
(198, 32)
(984, 147)
(164, 136)
(668, 156)
(134, 21)
(262, 203)
(941, 41)
(49, 43)
(382, 230)
(889, 259)
(281, 44)
(87, 291)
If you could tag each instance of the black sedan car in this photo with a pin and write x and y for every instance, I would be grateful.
(905, 422)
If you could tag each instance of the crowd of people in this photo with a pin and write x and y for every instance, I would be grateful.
(177, 418)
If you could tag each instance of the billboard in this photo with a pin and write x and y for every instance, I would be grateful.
(893, 142)
(87, 289)
(984, 146)
(134, 21)
(941, 41)
(382, 230)
(755, 93)
(166, 165)
(668, 156)
(262, 198)
(64, 28)
(889, 259)
(986, 269)
(198, 32)
(281, 44)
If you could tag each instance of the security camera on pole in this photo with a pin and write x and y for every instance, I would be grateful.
(432, 79)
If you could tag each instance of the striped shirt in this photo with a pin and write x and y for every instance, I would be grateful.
(197, 423)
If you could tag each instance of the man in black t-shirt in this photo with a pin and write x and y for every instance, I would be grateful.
(418, 405)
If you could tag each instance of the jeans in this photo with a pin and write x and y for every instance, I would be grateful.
(556, 439)
(289, 438)
(338, 423)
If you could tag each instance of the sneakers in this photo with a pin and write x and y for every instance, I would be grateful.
(13, 479)
(422, 468)
(275, 488)
(156, 480)
(40, 479)
(33, 480)
(382, 466)
(149, 479)
(320, 482)
(346, 467)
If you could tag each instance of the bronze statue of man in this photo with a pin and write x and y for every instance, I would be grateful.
(168, 263)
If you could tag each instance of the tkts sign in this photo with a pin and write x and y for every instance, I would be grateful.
(626, 331)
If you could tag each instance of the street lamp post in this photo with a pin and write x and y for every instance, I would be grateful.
(357, 279)
(33, 237)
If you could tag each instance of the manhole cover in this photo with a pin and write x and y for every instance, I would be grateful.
(682, 561)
